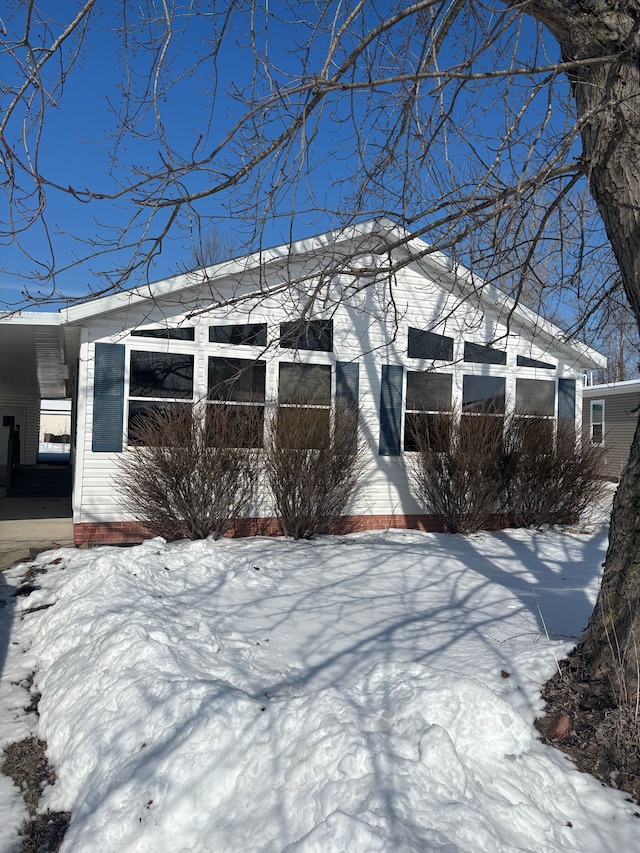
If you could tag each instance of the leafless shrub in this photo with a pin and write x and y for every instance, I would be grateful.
(554, 477)
(459, 467)
(191, 476)
(313, 462)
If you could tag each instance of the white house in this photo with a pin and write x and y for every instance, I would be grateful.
(365, 311)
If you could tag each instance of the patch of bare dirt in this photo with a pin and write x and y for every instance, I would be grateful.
(26, 763)
(602, 735)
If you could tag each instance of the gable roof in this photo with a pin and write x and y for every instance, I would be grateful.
(344, 248)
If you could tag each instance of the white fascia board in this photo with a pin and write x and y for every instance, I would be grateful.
(31, 318)
(342, 241)
(226, 269)
(610, 389)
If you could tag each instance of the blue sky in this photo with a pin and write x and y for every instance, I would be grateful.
(75, 147)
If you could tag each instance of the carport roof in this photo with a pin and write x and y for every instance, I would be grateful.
(33, 355)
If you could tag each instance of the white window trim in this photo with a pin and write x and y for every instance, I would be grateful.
(593, 403)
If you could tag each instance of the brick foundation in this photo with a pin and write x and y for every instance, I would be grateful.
(133, 532)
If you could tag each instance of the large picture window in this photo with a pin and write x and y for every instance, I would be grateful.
(535, 409)
(161, 375)
(304, 405)
(236, 396)
(483, 395)
(158, 381)
(536, 398)
(428, 410)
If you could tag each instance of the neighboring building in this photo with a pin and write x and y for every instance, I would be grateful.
(609, 419)
(55, 421)
(325, 315)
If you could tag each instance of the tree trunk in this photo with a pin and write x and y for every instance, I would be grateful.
(607, 97)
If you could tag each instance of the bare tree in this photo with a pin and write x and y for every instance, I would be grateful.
(210, 248)
(455, 118)
(618, 339)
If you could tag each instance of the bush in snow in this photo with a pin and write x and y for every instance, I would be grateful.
(313, 461)
(466, 467)
(189, 476)
(554, 476)
(459, 467)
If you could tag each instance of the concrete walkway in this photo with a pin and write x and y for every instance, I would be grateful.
(28, 525)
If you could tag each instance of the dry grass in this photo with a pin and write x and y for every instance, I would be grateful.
(26, 763)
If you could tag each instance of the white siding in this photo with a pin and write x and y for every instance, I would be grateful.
(371, 329)
(27, 413)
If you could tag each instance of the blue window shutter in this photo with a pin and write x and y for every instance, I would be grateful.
(567, 400)
(390, 410)
(347, 383)
(108, 398)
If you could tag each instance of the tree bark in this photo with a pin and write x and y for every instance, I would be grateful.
(607, 97)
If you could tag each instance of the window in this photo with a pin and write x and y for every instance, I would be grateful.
(483, 354)
(239, 380)
(236, 395)
(158, 381)
(249, 334)
(307, 334)
(427, 403)
(140, 411)
(525, 361)
(535, 411)
(536, 397)
(160, 374)
(483, 395)
(429, 345)
(304, 411)
(186, 334)
(596, 420)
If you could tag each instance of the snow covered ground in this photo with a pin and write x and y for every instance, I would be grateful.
(373, 692)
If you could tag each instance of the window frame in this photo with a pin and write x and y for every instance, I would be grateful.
(427, 415)
(307, 335)
(324, 407)
(601, 424)
(256, 401)
(153, 402)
